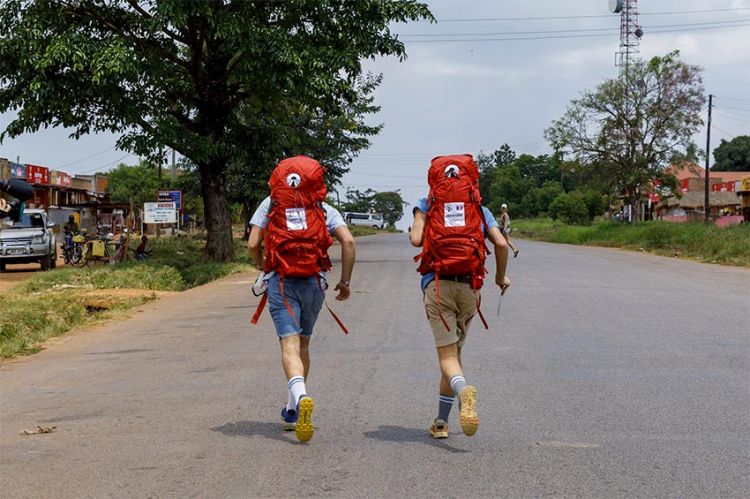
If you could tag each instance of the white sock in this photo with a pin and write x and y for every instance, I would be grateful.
(296, 390)
(457, 383)
(290, 405)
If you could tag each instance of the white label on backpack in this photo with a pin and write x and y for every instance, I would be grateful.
(296, 219)
(454, 215)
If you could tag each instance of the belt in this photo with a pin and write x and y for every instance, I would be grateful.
(464, 278)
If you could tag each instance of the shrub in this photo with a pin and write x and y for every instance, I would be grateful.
(569, 208)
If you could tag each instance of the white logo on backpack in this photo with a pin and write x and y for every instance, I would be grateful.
(454, 215)
(296, 219)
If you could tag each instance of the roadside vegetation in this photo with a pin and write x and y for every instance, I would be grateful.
(52, 303)
(697, 241)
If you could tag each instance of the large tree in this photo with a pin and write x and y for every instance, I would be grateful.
(632, 125)
(733, 155)
(200, 76)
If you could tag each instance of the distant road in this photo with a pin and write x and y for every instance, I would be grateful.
(608, 374)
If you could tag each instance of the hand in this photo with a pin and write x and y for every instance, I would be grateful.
(504, 284)
(344, 292)
(261, 285)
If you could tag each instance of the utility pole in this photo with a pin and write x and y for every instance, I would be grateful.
(174, 164)
(708, 158)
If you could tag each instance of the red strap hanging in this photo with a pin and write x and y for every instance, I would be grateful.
(479, 311)
(335, 317)
(260, 308)
(437, 298)
(286, 302)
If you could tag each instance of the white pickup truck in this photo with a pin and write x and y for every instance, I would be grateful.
(31, 239)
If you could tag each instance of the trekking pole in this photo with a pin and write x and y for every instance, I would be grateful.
(499, 304)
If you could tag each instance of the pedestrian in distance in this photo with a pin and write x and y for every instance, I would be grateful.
(505, 228)
(451, 226)
(296, 225)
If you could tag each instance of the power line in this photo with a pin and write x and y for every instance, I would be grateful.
(580, 30)
(732, 117)
(103, 167)
(558, 37)
(734, 99)
(88, 157)
(735, 108)
(380, 175)
(599, 16)
(727, 134)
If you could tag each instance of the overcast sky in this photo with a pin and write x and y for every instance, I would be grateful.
(455, 97)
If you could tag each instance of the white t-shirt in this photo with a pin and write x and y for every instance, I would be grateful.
(334, 220)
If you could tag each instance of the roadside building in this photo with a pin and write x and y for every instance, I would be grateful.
(724, 204)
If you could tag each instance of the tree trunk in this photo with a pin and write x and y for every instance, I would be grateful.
(218, 222)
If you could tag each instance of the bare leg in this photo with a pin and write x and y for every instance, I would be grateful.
(510, 244)
(305, 354)
(450, 365)
(291, 358)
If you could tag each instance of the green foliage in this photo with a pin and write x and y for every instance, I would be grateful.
(707, 243)
(488, 166)
(31, 318)
(733, 155)
(629, 127)
(138, 183)
(52, 303)
(528, 185)
(569, 208)
(219, 82)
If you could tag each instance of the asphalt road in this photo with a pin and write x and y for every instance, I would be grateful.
(608, 374)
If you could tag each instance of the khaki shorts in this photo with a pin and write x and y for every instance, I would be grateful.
(458, 303)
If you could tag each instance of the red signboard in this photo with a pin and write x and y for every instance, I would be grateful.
(60, 178)
(685, 184)
(37, 174)
(723, 187)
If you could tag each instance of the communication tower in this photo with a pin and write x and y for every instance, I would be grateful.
(630, 32)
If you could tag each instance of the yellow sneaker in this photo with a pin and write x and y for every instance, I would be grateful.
(439, 429)
(305, 427)
(468, 416)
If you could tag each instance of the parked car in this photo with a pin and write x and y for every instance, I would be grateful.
(31, 239)
(366, 219)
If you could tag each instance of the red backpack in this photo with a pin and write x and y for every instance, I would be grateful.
(453, 241)
(296, 239)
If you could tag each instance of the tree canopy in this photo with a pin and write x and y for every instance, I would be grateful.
(629, 127)
(206, 78)
(733, 155)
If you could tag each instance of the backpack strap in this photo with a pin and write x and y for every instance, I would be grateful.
(335, 317)
(264, 300)
(479, 311)
(260, 308)
(286, 302)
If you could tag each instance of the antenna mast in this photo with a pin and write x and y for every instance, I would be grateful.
(630, 32)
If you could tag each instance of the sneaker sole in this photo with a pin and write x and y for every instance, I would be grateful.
(438, 434)
(305, 427)
(468, 416)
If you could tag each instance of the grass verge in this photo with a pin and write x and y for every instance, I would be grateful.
(52, 303)
(705, 243)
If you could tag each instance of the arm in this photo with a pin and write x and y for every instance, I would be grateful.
(417, 228)
(501, 258)
(348, 254)
(254, 248)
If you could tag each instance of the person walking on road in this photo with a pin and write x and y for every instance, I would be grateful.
(451, 227)
(297, 226)
(505, 228)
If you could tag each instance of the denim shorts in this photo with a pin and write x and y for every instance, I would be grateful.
(304, 296)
